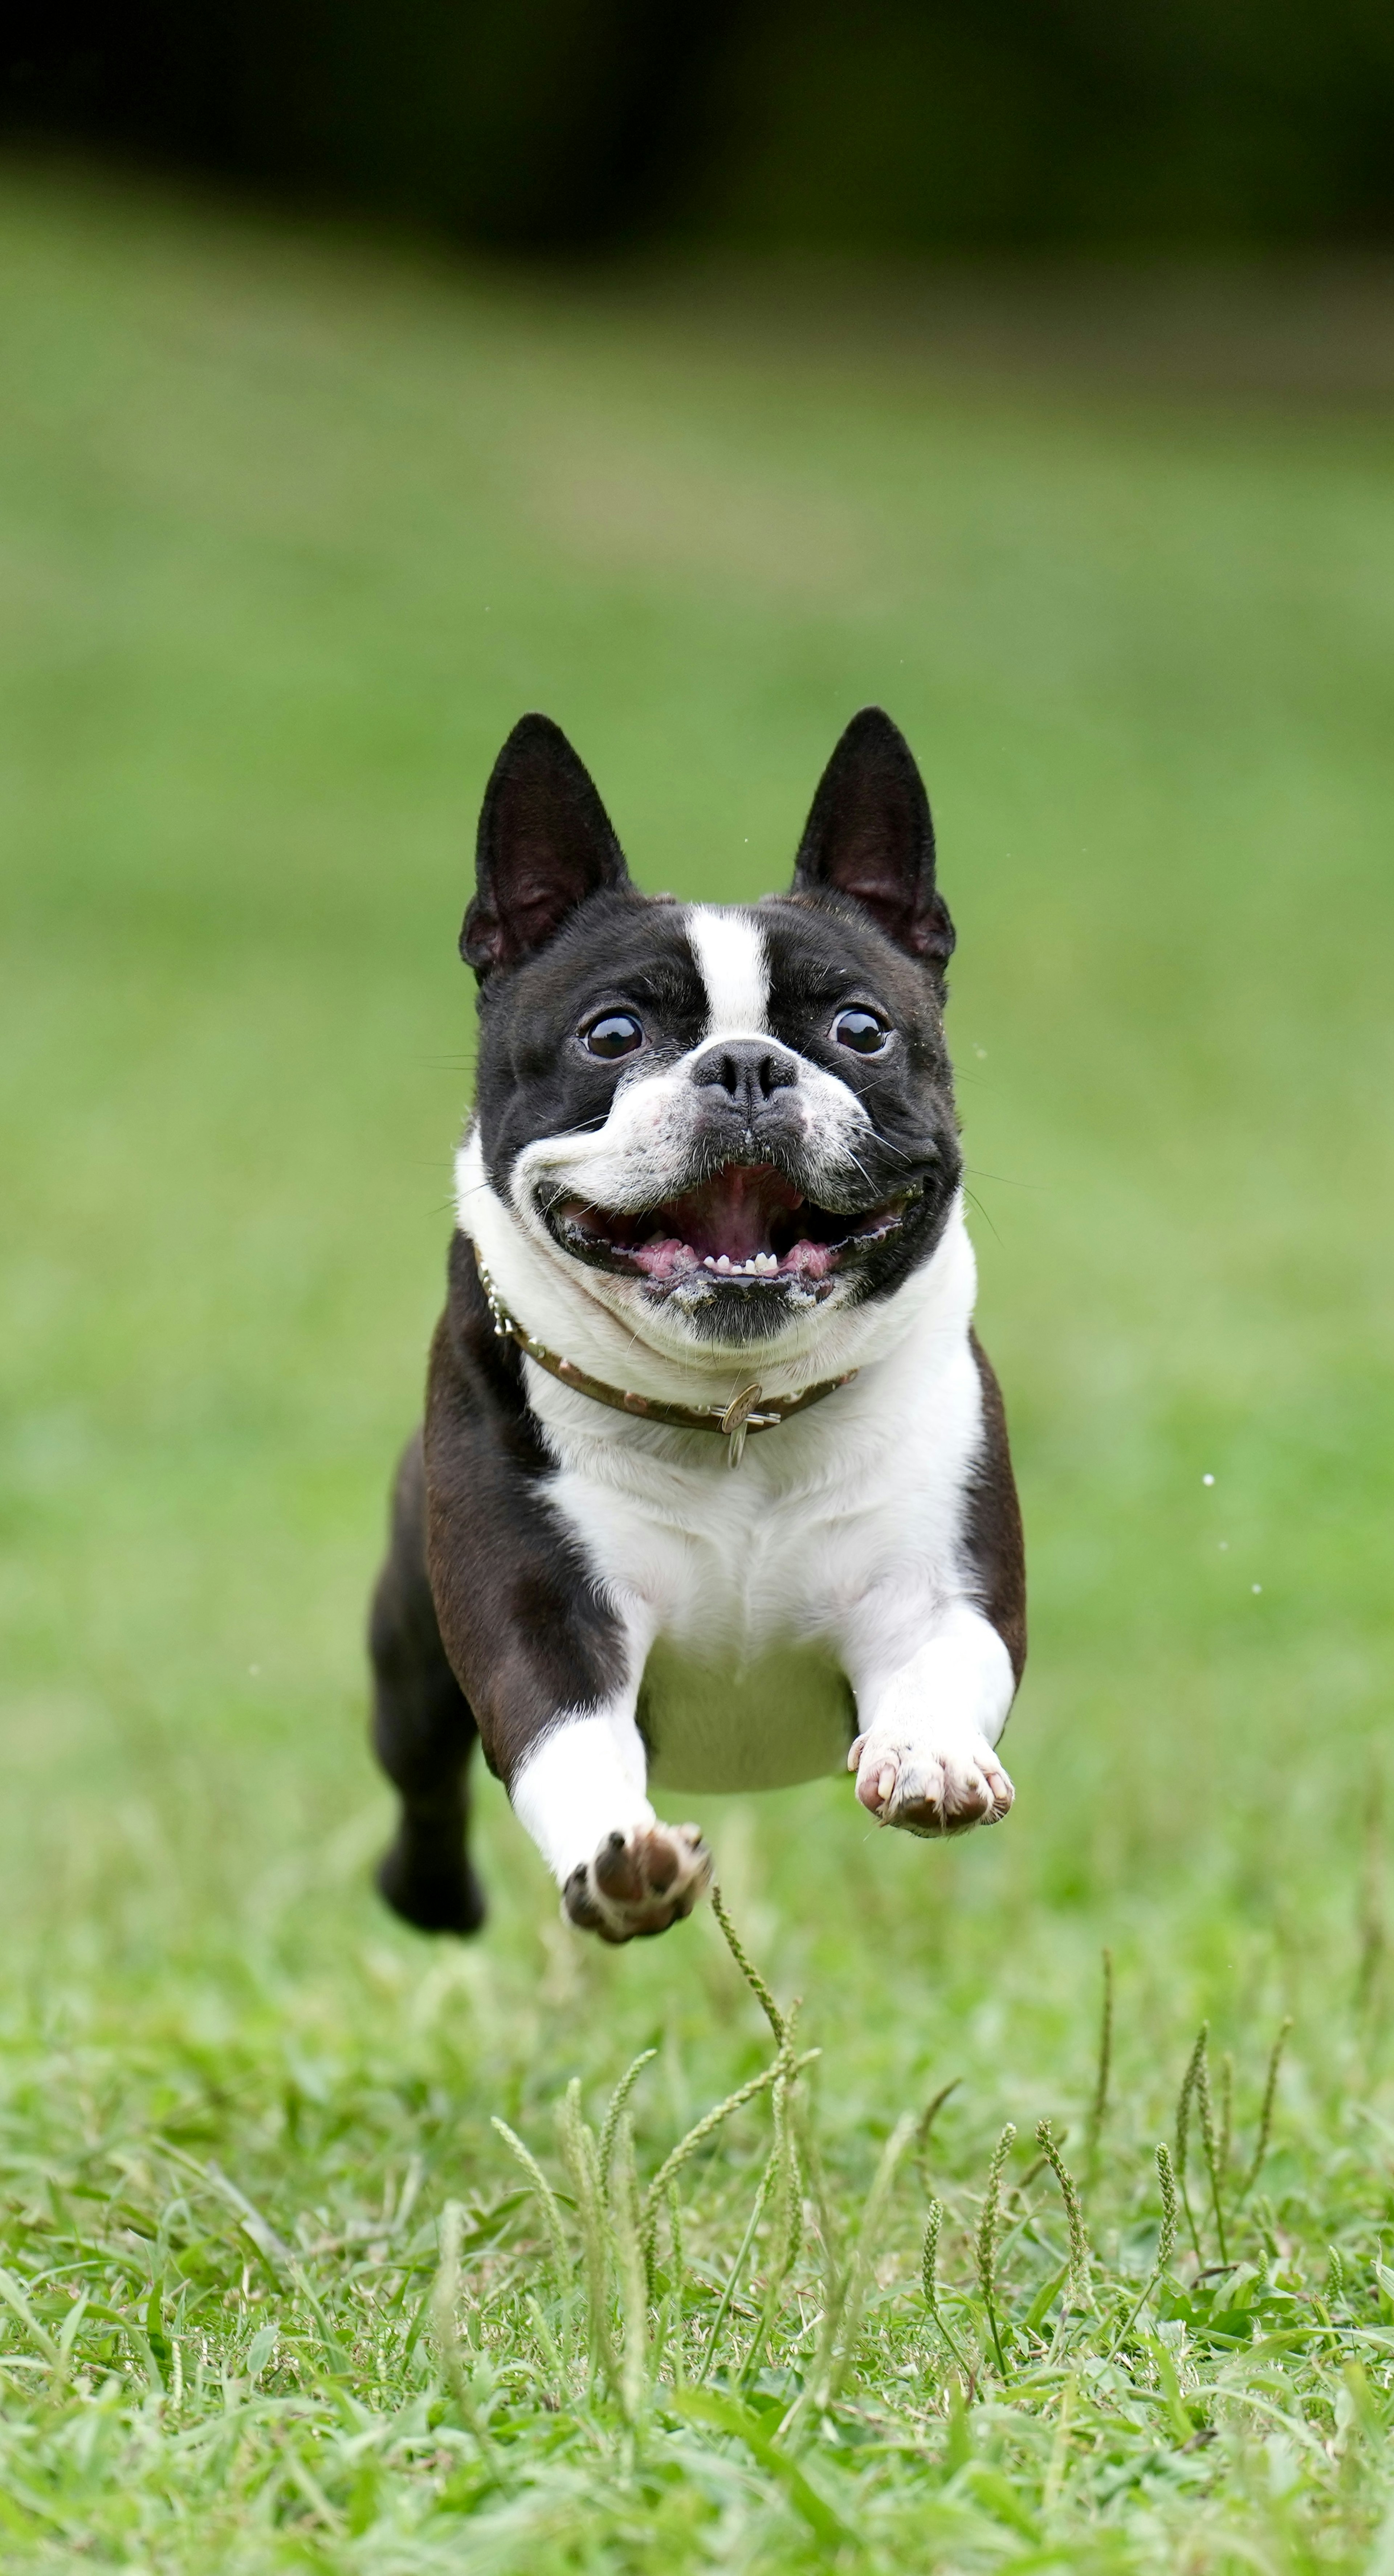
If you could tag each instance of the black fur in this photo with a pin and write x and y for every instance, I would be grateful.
(423, 1728)
(869, 835)
(545, 843)
(993, 1538)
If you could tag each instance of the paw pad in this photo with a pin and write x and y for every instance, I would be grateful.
(638, 1884)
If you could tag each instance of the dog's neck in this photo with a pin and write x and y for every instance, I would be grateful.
(565, 1307)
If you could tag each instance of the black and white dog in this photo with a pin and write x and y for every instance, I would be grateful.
(710, 1220)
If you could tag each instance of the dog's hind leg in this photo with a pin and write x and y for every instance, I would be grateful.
(423, 1729)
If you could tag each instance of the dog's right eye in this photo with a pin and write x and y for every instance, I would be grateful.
(613, 1033)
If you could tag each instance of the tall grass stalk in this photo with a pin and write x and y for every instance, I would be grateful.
(1098, 2108)
(445, 2301)
(925, 2130)
(619, 2103)
(750, 1973)
(1166, 2242)
(1189, 2082)
(985, 2243)
(551, 2207)
(929, 2276)
(633, 2275)
(1265, 2118)
(580, 2154)
(1078, 2292)
(1211, 2147)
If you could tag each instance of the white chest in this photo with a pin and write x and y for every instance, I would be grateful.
(750, 1599)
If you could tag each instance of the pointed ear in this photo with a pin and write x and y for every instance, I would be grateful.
(545, 844)
(869, 835)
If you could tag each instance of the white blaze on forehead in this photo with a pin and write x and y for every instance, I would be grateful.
(730, 951)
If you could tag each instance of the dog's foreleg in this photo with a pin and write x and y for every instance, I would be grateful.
(580, 1793)
(929, 1722)
(549, 1661)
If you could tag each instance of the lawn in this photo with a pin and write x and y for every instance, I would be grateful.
(292, 528)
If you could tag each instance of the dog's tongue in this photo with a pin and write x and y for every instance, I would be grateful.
(732, 1212)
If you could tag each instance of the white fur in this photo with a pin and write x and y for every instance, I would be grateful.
(730, 950)
(583, 1781)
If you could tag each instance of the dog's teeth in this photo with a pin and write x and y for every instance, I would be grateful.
(707, 1262)
(723, 1261)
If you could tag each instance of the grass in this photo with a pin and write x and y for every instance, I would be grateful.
(292, 529)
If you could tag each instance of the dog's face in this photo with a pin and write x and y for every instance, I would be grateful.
(720, 1120)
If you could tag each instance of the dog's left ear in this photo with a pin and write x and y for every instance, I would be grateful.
(869, 835)
(545, 844)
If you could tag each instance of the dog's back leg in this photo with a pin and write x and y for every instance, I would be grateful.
(423, 1728)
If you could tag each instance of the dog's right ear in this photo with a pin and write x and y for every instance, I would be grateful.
(545, 844)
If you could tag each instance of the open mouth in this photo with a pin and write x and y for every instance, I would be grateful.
(747, 1224)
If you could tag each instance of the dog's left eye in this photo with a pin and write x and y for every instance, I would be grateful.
(865, 1032)
(614, 1033)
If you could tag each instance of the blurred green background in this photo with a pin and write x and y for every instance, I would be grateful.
(294, 522)
(292, 530)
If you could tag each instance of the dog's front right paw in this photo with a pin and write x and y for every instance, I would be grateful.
(638, 1883)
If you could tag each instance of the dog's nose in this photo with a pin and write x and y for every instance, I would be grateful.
(748, 1070)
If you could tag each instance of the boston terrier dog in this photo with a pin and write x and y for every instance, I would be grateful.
(713, 1491)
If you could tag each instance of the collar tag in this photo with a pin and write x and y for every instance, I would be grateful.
(735, 1422)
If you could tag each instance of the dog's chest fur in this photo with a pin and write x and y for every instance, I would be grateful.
(747, 1593)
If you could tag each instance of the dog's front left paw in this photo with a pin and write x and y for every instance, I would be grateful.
(928, 1789)
(639, 1883)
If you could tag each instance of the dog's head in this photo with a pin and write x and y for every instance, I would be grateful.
(720, 1120)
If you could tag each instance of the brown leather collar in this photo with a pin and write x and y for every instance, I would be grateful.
(749, 1410)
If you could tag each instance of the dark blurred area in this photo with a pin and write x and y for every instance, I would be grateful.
(552, 125)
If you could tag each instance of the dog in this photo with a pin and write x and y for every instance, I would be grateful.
(713, 1490)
